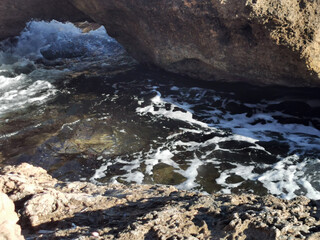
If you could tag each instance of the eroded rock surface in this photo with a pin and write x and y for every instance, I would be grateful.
(9, 230)
(257, 41)
(50, 209)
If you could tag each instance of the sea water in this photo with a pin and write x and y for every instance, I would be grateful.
(78, 105)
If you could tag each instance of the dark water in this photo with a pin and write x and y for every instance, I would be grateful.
(84, 110)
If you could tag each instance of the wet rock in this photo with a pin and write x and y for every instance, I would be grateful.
(232, 144)
(250, 187)
(234, 179)
(274, 147)
(292, 120)
(9, 230)
(245, 155)
(236, 108)
(81, 210)
(65, 50)
(294, 108)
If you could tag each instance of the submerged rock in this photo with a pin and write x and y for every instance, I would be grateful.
(53, 210)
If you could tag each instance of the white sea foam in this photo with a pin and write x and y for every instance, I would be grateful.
(35, 94)
(191, 174)
(59, 37)
(289, 175)
(171, 113)
(292, 175)
(23, 82)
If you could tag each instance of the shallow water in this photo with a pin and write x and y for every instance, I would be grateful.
(79, 106)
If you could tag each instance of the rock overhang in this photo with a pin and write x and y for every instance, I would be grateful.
(261, 42)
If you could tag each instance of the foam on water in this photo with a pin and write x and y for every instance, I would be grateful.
(208, 140)
(286, 174)
(157, 102)
(290, 175)
(25, 81)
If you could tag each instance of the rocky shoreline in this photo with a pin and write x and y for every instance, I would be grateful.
(50, 209)
(268, 42)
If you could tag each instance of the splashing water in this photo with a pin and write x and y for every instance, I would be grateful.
(44, 53)
(76, 104)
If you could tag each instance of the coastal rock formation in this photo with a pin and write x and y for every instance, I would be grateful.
(262, 42)
(14, 14)
(50, 209)
(9, 230)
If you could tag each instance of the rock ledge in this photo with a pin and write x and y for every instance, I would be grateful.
(50, 209)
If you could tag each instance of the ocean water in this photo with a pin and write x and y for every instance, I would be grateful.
(76, 104)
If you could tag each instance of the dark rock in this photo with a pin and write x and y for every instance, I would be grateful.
(250, 187)
(294, 108)
(232, 144)
(234, 179)
(235, 108)
(274, 147)
(245, 155)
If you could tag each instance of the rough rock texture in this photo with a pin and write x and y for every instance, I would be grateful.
(258, 41)
(15, 13)
(9, 230)
(54, 210)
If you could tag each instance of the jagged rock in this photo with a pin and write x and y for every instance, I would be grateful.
(9, 230)
(81, 210)
(258, 41)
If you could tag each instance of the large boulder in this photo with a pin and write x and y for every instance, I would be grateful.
(15, 13)
(263, 42)
(9, 230)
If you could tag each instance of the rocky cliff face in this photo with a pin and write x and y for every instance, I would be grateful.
(14, 14)
(258, 41)
(262, 42)
(50, 209)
